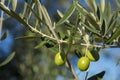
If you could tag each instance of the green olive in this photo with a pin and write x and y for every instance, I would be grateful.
(83, 63)
(58, 59)
(92, 55)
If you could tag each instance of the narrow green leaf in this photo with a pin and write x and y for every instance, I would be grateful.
(28, 37)
(103, 27)
(39, 12)
(61, 15)
(112, 22)
(107, 11)
(14, 5)
(83, 11)
(46, 16)
(118, 3)
(2, 1)
(98, 13)
(92, 21)
(8, 59)
(90, 29)
(102, 5)
(114, 36)
(92, 4)
(28, 14)
(41, 44)
(4, 35)
(66, 15)
(24, 10)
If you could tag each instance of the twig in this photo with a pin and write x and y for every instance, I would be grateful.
(72, 70)
(17, 17)
(86, 75)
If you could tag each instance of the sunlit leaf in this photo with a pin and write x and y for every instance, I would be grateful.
(118, 3)
(24, 10)
(102, 5)
(8, 59)
(28, 13)
(92, 4)
(114, 36)
(66, 15)
(107, 11)
(38, 9)
(83, 11)
(61, 15)
(4, 35)
(14, 5)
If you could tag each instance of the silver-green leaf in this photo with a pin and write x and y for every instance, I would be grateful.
(8, 59)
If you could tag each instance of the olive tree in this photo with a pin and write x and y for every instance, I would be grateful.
(79, 31)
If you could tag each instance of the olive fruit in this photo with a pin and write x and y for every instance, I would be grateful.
(59, 60)
(83, 63)
(92, 55)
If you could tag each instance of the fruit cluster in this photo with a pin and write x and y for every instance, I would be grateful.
(84, 61)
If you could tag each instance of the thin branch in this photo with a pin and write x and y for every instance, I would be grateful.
(17, 17)
(72, 70)
(48, 21)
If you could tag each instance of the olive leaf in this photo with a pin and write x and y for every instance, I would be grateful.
(103, 27)
(42, 43)
(4, 35)
(112, 22)
(14, 5)
(97, 76)
(27, 37)
(118, 3)
(8, 59)
(39, 12)
(114, 36)
(102, 5)
(92, 4)
(66, 15)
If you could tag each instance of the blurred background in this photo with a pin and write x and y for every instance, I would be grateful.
(35, 64)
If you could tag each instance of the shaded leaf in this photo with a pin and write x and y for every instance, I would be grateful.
(92, 21)
(99, 75)
(4, 35)
(27, 37)
(90, 29)
(8, 59)
(42, 43)
(98, 13)
(14, 5)
(112, 22)
(103, 26)
(66, 15)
